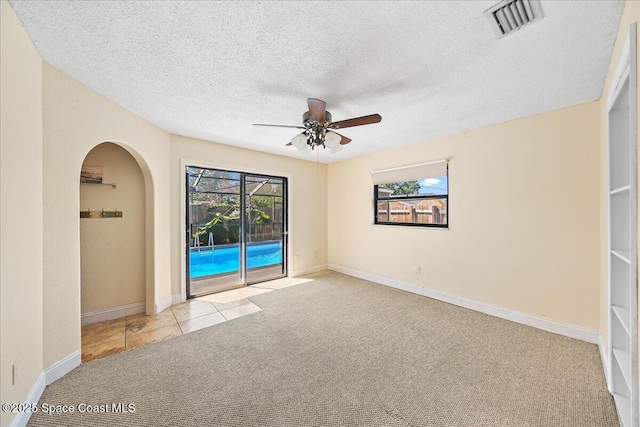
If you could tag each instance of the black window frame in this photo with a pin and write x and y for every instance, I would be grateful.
(412, 197)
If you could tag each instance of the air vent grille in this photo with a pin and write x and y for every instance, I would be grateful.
(511, 15)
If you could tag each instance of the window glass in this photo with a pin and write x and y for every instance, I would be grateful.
(419, 202)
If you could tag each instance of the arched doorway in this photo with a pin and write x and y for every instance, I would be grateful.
(113, 239)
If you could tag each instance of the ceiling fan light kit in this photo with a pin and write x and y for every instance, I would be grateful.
(300, 142)
(332, 140)
(319, 130)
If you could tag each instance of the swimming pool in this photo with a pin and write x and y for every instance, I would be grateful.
(207, 262)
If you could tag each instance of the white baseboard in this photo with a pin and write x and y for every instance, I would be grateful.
(159, 307)
(63, 367)
(309, 270)
(605, 361)
(167, 302)
(46, 377)
(176, 299)
(22, 418)
(559, 328)
(112, 313)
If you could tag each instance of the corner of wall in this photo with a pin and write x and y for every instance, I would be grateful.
(21, 282)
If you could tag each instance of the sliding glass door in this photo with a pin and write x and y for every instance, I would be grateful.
(265, 219)
(236, 229)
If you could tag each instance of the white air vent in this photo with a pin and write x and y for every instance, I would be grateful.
(510, 15)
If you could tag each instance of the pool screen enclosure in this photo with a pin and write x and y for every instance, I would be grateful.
(236, 229)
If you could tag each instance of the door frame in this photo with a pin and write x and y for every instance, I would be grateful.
(285, 232)
(183, 214)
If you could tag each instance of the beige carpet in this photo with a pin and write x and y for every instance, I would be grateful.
(340, 351)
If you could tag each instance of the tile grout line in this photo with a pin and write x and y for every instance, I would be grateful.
(217, 310)
(176, 319)
(125, 333)
(197, 317)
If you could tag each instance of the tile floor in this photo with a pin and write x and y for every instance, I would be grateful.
(114, 336)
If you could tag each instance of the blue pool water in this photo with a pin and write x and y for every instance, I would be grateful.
(225, 260)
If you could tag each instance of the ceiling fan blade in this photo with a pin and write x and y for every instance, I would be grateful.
(357, 121)
(280, 126)
(344, 140)
(317, 110)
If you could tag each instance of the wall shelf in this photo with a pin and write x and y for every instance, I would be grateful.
(623, 189)
(623, 405)
(112, 184)
(623, 255)
(623, 358)
(623, 314)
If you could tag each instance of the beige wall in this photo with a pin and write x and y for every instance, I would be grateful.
(631, 15)
(537, 255)
(75, 120)
(544, 255)
(307, 189)
(20, 209)
(112, 250)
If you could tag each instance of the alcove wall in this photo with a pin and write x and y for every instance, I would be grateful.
(112, 250)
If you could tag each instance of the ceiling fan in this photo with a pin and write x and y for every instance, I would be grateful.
(319, 130)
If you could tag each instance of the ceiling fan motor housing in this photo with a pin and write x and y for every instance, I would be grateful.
(306, 116)
(319, 129)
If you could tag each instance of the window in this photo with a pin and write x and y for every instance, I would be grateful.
(421, 201)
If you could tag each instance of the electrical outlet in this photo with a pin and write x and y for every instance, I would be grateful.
(15, 372)
(418, 269)
(316, 253)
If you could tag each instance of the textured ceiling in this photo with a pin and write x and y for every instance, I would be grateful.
(211, 69)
